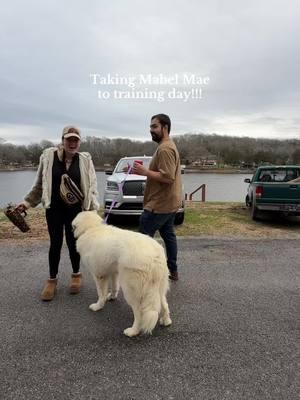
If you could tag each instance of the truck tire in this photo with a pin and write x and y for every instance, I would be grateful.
(248, 201)
(254, 212)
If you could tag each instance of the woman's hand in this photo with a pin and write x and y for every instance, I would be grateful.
(21, 207)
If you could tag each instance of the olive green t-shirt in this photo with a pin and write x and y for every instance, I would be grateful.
(164, 197)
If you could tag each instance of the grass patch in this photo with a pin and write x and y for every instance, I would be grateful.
(201, 219)
(233, 219)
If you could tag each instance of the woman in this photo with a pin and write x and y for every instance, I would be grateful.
(55, 162)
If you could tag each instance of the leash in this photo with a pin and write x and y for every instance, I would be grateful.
(120, 187)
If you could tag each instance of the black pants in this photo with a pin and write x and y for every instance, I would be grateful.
(58, 218)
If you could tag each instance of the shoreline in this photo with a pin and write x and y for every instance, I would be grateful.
(186, 170)
(218, 171)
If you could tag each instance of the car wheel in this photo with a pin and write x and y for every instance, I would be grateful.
(179, 218)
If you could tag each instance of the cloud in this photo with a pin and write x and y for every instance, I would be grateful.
(250, 52)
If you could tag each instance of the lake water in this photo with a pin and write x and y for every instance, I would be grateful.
(219, 187)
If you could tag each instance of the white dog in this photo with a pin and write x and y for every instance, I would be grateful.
(134, 259)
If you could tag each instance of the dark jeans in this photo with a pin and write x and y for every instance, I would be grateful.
(58, 218)
(151, 222)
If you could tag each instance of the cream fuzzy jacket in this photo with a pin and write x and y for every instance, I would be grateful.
(41, 190)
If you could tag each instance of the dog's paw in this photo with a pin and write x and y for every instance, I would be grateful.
(165, 321)
(96, 306)
(130, 332)
(111, 296)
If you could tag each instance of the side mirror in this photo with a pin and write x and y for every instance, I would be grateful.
(247, 180)
(108, 172)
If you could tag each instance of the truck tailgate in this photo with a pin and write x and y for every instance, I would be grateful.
(280, 193)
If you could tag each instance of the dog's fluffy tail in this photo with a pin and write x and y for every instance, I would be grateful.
(149, 321)
(150, 309)
(151, 301)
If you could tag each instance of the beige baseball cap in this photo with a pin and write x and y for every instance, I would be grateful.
(71, 131)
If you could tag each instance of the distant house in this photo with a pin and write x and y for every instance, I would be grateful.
(210, 161)
(248, 165)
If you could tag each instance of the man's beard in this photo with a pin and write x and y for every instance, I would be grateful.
(156, 138)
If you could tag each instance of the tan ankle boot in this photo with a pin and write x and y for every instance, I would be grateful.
(75, 283)
(49, 290)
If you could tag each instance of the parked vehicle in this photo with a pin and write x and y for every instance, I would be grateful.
(126, 191)
(274, 188)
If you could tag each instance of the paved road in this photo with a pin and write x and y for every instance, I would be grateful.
(235, 333)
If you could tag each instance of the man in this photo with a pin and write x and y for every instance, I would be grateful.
(162, 196)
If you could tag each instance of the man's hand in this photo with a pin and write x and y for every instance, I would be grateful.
(139, 169)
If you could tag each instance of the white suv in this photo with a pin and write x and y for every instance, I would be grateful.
(126, 191)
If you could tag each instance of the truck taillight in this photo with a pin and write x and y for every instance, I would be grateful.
(259, 192)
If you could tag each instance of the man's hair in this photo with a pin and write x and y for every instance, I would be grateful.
(163, 120)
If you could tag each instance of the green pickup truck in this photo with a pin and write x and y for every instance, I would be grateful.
(274, 188)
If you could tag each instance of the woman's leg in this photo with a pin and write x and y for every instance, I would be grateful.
(70, 239)
(55, 228)
(70, 214)
(55, 222)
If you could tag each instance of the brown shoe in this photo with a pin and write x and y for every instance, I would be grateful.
(173, 276)
(75, 283)
(49, 290)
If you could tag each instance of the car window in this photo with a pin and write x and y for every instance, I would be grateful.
(278, 175)
(125, 163)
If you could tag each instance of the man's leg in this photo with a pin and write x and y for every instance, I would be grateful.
(148, 223)
(168, 235)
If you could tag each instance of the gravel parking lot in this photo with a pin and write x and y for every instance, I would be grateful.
(235, 332)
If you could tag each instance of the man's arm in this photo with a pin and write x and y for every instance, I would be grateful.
(139, 169)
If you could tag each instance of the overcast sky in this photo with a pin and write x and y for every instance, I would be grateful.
(249, 54)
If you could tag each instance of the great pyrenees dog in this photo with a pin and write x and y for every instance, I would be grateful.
(134, 260)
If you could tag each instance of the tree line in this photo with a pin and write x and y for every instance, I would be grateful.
(226, 150)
